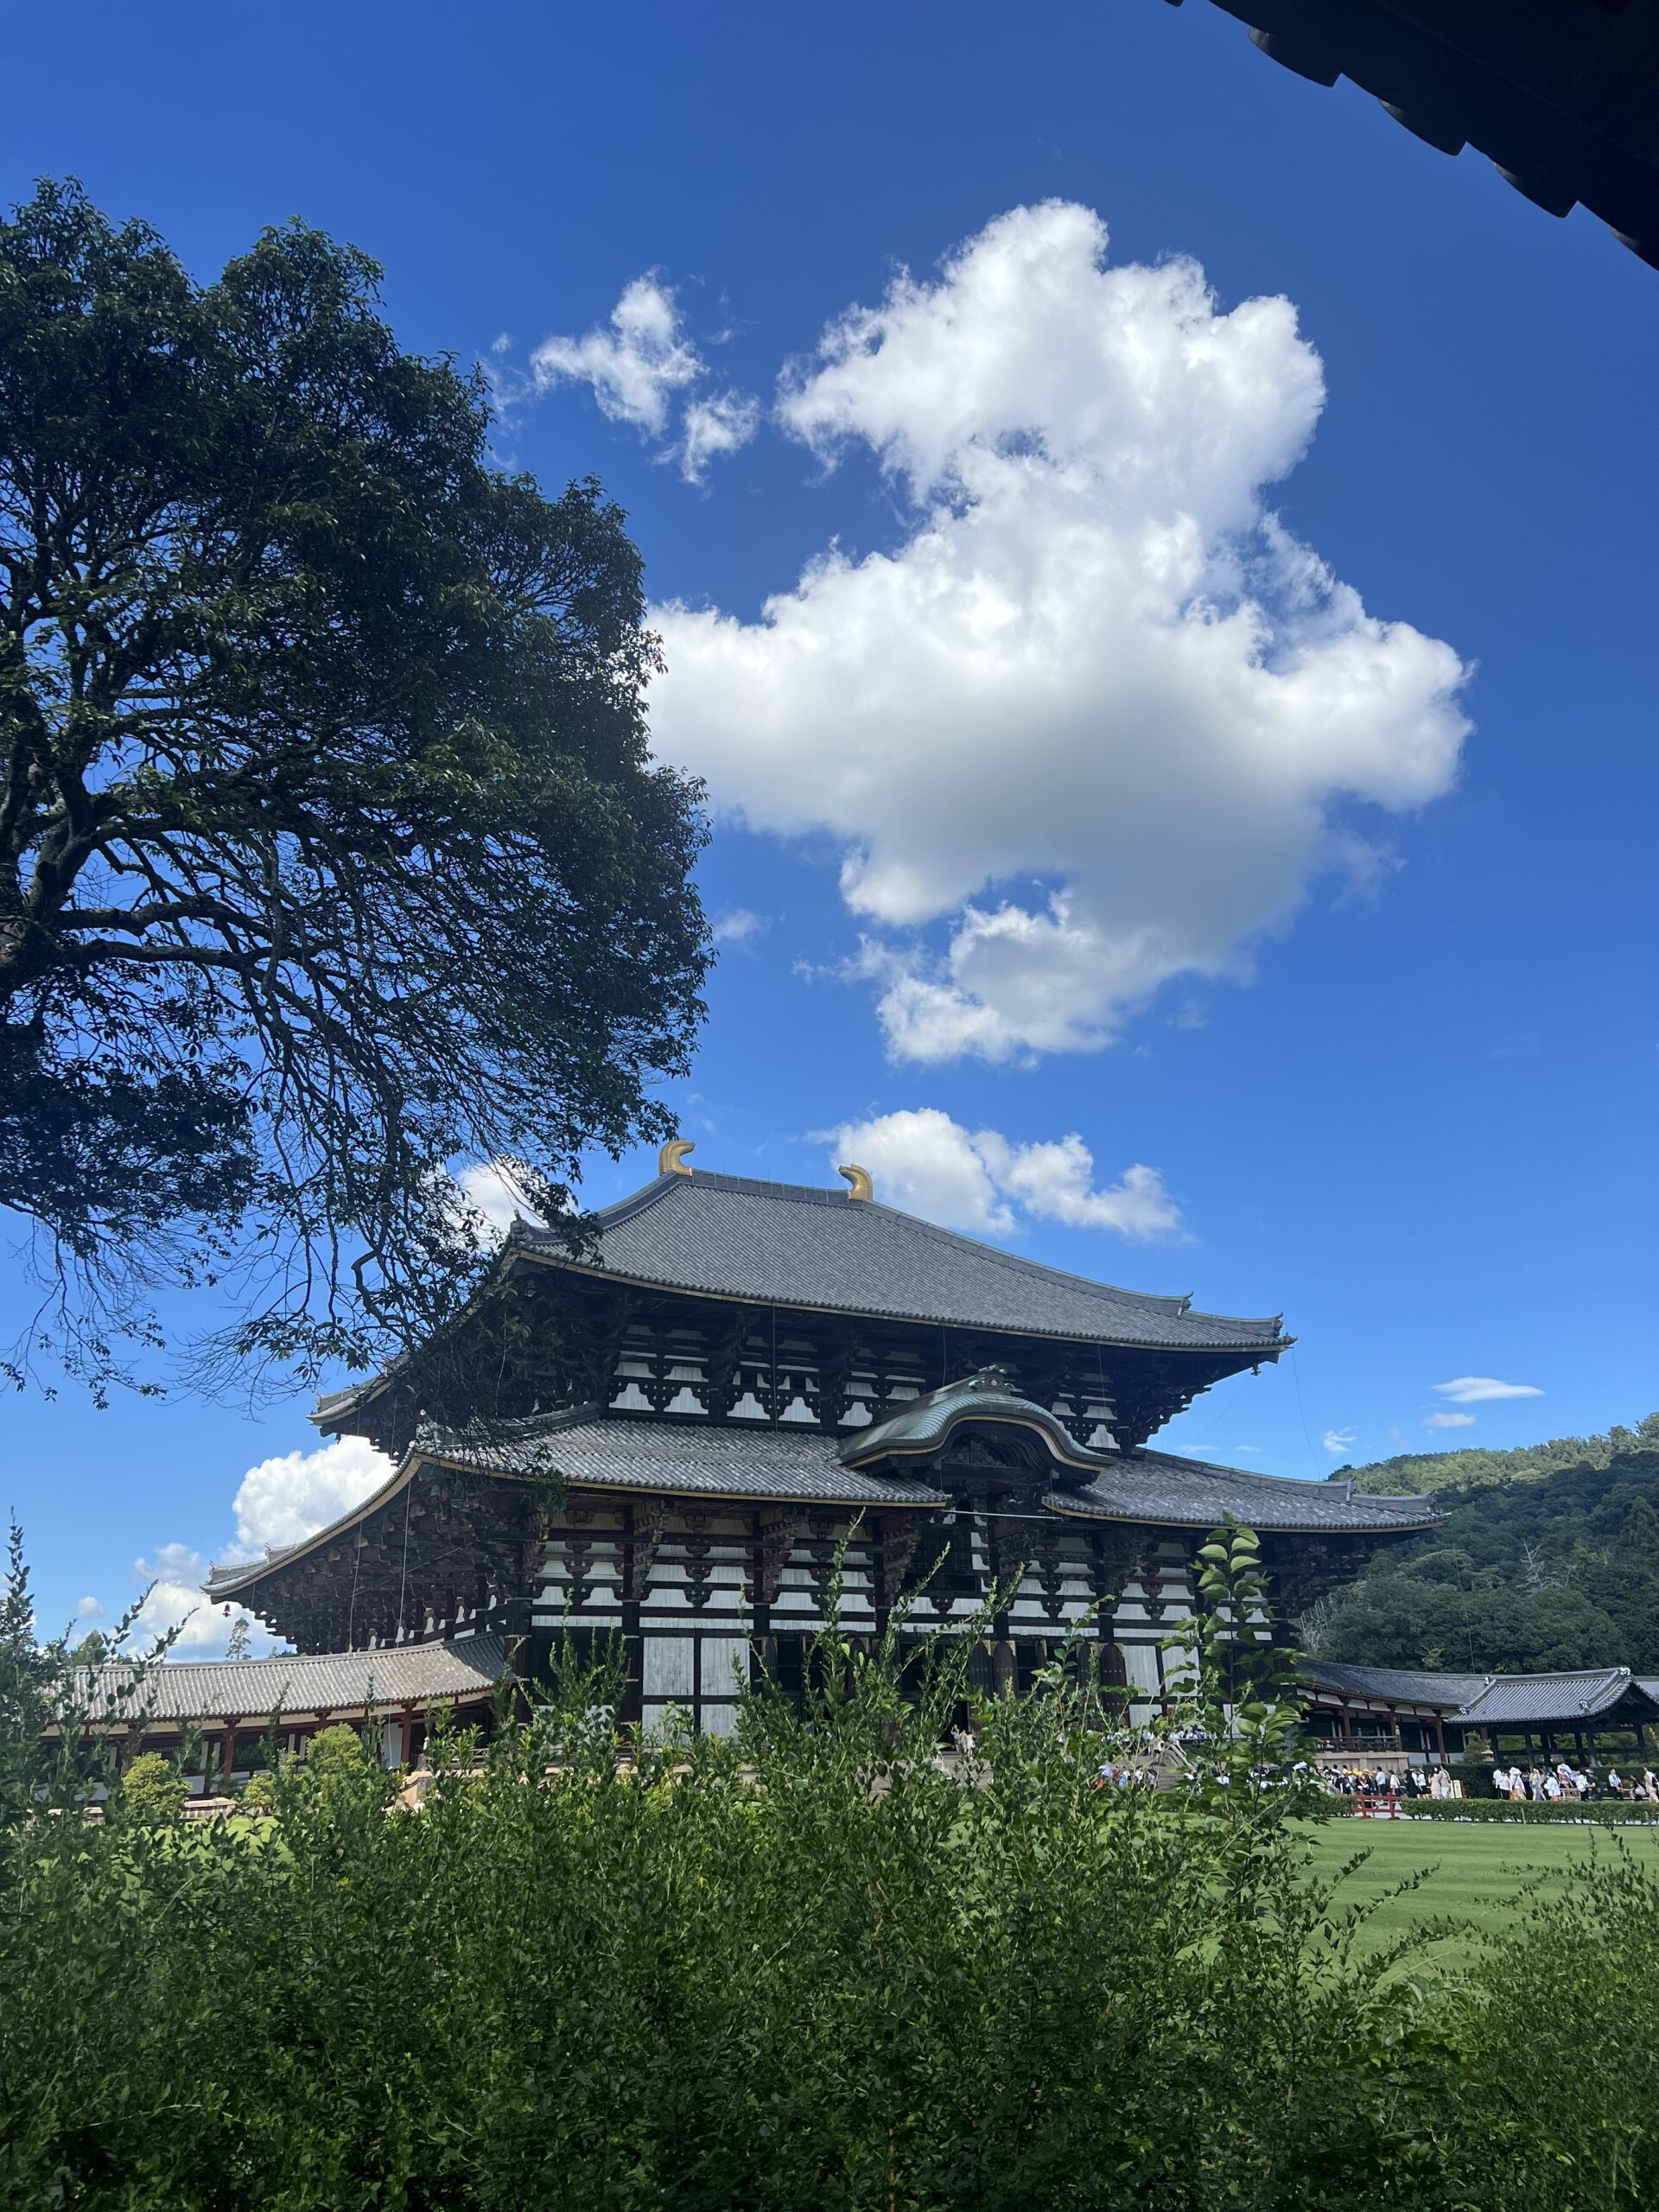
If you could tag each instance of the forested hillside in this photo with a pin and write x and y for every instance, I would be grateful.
(1470, 1469)
(1558, 1567)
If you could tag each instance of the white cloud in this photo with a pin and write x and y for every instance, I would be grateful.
(926, 1163)
(639, 368)
(175, 1599)
(635, 366)
(1449, 1420)
(1097, 713)
(1475, 1389)
(89, 1608)
(296, 1493)
(278, 1502)
(1055, 1182)
(737, 926)
(712, 427)
(1340, 1441)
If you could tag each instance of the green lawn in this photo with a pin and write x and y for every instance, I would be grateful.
(1476, 1874)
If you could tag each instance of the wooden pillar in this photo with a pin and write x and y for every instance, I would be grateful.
(1440, 1736)
(633, 1647)
(227, 1754)
(406, 1737)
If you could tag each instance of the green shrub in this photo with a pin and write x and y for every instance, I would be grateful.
(153, 1793)
(259, 1795)
(336, 1753)
(806, 1971)
(1559, 2076)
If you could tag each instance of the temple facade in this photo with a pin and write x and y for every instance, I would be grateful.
(736, 1394)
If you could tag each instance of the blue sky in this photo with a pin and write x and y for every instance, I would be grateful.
(1229, 729)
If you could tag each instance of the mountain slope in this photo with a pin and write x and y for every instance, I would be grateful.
(1526, 1572)
(1475, 1467)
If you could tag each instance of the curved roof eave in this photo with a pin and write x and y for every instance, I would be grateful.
(1262, 1349)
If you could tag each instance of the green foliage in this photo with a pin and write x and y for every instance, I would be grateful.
(1561, 1571)
(335, 1754)
(815, 1967)
(153, 1793)
(28, 1675)
(1245, 1706)
(259, 1793)
(1475, 1466)
(332, 852)
(1560, 2068)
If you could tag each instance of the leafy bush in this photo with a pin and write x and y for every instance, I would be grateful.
(153, 1793)
(259, 1793)
(809, 1968)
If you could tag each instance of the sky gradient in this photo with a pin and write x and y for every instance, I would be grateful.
(1198, 771)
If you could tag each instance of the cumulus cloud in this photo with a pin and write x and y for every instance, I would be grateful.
(1449, 1420)
(1475, 1389)
(1340, 1441)
(175, 1599)
(89, 1608)
(293, 1494)
(1090, 725)
(278, 1502)
(926, 1163)
(640, 366)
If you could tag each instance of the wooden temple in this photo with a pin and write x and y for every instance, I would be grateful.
(1396, 1716)
(735, 1388)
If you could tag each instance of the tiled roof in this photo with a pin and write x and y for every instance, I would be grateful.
(1403, 1685)
(730, 1461)
(1200, 1493)
(787, 1245)
(738, 1460)
(1565, 1699)
(464, 1667)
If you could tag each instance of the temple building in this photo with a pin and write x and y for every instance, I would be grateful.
(736, 1393)
(1395, 1717)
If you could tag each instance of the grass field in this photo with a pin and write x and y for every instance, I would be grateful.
(1477, 1874)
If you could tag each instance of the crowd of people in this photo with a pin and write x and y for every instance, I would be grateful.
(1561, 1784)
(1564, 1782)
(1380, 1782)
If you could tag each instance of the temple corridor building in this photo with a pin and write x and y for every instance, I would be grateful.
(735, 1388)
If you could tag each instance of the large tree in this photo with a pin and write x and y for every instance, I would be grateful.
(332, 852)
